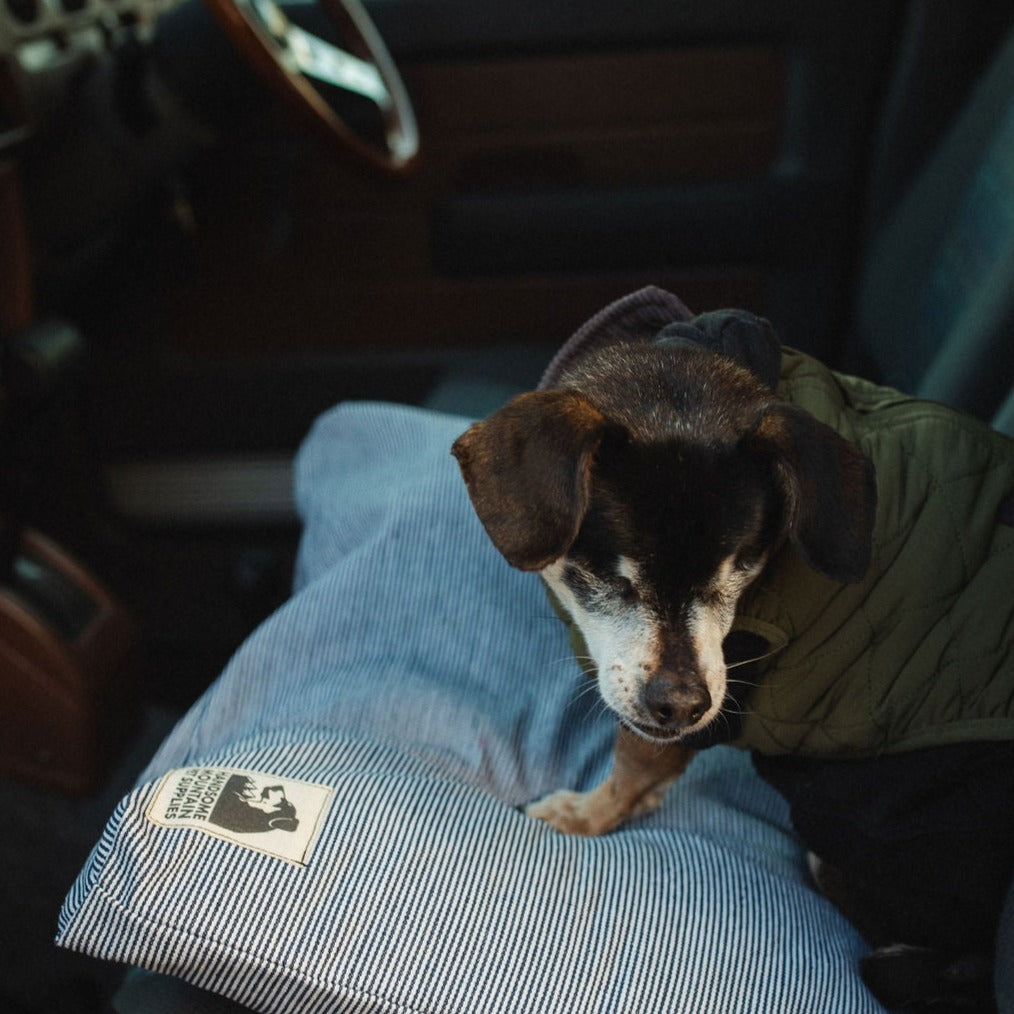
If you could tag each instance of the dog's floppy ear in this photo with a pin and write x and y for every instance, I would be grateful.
(742, 336)
(527, 469)
(829, 486)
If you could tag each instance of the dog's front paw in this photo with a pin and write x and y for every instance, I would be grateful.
(569, 812)
(588, 813)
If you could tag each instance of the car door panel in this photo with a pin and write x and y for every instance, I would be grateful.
(570, 152)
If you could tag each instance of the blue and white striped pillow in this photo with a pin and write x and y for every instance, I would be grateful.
(424, 691)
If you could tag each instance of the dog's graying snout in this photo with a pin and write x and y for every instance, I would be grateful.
(675, 703)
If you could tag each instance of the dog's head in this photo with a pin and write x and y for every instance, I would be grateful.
(650, 488)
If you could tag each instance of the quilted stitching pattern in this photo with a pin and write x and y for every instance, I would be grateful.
(920, 652)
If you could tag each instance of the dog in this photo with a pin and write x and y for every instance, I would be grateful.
(673, 500)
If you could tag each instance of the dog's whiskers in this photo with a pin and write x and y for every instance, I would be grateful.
(741, 683)
(568, 660)
(733, 707)
(580, 695)
(583, 691)
(750, 661)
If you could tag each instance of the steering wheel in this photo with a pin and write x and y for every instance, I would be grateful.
(288, 57)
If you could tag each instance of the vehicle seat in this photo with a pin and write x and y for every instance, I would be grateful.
(940, 270)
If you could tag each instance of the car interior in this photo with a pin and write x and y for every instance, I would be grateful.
(221, 218)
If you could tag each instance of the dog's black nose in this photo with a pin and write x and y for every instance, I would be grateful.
(673, 703)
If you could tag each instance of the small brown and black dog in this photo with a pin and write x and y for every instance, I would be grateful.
(651, 481)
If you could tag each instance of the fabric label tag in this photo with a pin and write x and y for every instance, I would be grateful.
(279, 816)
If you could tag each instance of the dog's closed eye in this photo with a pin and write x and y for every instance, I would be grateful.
(749, 562)
(732, 577)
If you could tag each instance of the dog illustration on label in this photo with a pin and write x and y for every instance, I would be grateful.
(245, 807)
